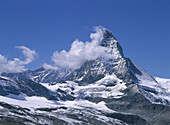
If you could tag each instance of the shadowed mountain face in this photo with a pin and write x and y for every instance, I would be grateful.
(108, 90)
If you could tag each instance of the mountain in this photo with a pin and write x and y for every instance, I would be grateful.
(108, 90)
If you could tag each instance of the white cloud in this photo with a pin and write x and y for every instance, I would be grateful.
(17, 65)
(48, 66)
(80, 52)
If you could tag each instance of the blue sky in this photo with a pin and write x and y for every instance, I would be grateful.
(141, 26)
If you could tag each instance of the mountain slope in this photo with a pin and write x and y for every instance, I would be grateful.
(110, 89)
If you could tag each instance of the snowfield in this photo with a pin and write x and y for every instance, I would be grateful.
(165, 83)
(109, 86)
(41, 102)
(28, 102)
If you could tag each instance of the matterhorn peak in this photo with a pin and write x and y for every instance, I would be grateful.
(110, 42)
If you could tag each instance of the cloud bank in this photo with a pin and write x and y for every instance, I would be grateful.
(17, 65)
(80, 52)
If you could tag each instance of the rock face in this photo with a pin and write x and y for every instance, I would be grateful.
(28, 87)
(50, 76)
(108, 90)
(115, 63)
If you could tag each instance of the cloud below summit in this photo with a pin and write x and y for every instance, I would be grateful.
(80, 52)
(17, 65)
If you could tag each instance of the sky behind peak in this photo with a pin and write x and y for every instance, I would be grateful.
(141, 26)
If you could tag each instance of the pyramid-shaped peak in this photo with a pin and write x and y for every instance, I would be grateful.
(111, 42)
(108, 35)
(108, 39)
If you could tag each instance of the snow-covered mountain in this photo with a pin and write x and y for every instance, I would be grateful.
(108, 90)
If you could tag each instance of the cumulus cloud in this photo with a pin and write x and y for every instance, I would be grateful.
(17, 65)
(80, 52)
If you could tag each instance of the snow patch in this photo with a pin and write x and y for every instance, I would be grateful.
(30, 102)
(85, 103)
(165, 83)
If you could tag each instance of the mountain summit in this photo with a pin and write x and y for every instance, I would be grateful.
(109, 89)
(110, 42)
